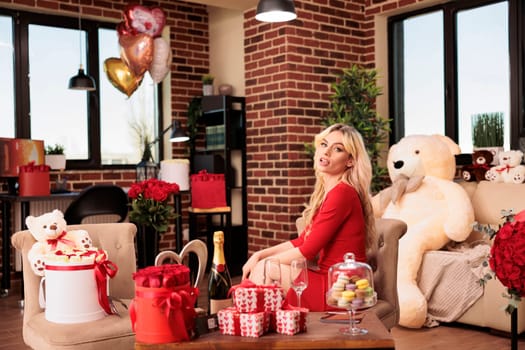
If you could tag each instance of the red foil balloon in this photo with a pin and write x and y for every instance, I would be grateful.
(150, 21)
(137, 52)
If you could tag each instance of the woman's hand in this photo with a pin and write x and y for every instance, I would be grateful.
(249, 265)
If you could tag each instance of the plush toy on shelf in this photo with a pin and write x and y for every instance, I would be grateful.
(50, 232)
(434, 207)
(481, 160)
(509, 168)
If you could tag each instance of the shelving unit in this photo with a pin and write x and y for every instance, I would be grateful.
(221, 148)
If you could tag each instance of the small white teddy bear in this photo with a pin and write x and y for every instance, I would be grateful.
(509, 168)
(50, 233)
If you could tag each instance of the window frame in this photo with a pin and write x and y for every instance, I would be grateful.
(21, 22)
(516, 22)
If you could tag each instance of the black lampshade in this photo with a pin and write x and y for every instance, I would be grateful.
(177, 133)
(81, 81)
(275, 11)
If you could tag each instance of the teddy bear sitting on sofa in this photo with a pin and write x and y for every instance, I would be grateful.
(434, 207)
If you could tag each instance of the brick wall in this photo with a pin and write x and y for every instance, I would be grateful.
(289, 69)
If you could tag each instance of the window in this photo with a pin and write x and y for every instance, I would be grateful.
(451, 62)
(98, 129)
(7, 100)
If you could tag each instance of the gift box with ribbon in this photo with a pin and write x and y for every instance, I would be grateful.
(291, 321)
(33, 180)
(207, 190)
(74, 288)
(163, 308)
(249, 297)
(229, 321)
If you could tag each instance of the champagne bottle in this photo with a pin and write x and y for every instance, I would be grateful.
(219, 282)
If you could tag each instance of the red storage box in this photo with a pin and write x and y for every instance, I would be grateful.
(208, 190)
(34, 180)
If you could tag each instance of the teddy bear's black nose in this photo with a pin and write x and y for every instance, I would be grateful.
(53, 227)
(399, 164)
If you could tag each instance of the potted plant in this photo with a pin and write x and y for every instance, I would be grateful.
(487, 132)
(207, 84)
(353, 103)
(55, 157)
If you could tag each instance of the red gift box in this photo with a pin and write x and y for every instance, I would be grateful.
(252, 324)
(273, 298)
(291, 321)
(248, 297)
(229, 321)
(33, 180)
(208, 190)
(163, 308)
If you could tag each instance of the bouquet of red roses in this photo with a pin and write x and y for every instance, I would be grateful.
(150, 203)
(507, 257)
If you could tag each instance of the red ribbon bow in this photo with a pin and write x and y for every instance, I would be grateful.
(103, 269)
(60, 238)
(506, 168)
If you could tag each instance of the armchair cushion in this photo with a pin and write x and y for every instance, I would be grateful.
(110, 332)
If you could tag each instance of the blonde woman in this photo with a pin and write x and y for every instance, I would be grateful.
(338, 218)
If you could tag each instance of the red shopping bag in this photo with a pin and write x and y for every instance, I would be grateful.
(208, 190)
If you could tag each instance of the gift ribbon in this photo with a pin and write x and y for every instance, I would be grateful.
(53, 242)
(171, 300)
(103, 269)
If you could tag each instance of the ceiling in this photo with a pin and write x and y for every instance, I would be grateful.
(229, 4)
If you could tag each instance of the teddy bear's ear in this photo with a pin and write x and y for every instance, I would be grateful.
(29, 221)
(58, 213)
(454, 147)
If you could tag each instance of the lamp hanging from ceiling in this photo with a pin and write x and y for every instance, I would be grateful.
(81, 81)
(275, 11)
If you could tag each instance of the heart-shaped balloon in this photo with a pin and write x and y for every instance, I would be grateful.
(121, 76)
(145, 20)
(160, 65)
(137, 52)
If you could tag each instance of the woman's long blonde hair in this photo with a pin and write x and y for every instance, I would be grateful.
(358, 176)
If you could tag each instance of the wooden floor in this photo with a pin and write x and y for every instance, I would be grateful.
(449, 337)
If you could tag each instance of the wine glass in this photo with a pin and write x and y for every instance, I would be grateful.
(272, 272)
(298, 277)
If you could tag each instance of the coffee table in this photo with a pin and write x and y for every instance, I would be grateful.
(319, 335)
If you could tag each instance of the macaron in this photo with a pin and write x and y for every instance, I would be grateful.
(357, 302)
(350, 286)
(348, 295)
(362, 283)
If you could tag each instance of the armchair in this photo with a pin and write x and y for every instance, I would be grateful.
(111, 332)
(383, 260)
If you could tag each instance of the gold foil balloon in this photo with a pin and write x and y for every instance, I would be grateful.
(121, 76)
(160, 66)
(136, 52)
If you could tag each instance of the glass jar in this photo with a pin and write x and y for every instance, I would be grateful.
(351, 285)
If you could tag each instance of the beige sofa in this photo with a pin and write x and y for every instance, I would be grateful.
(488, 199)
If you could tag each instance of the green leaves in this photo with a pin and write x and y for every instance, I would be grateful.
(353, 103)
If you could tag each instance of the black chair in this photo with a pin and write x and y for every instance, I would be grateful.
(97, 200)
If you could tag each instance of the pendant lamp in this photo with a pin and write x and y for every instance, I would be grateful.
(275, 11)
(81, 81)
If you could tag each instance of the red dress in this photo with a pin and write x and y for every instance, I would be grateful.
(336, 229)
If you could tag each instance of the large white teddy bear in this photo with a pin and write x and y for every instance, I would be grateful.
(434, 207)
(50, 232)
